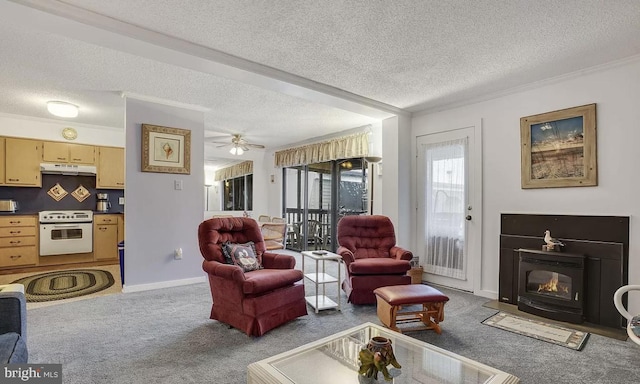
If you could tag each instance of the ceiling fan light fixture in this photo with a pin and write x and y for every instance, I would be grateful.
(236, 150)
(62, 109)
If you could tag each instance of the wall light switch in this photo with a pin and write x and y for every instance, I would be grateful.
(177, 185)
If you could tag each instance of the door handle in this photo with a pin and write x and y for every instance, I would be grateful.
(468, 218)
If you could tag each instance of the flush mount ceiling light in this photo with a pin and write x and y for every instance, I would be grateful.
(236, 150)
(62, 109)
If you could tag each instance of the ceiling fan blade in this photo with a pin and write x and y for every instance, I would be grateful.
(244, 147)
(254, 145)
(219, 142)
(216, 138)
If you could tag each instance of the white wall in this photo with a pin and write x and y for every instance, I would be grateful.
(51, 130)
(396, 179)
(160, 218)
(617, 94)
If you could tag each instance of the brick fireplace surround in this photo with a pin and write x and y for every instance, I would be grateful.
(600, 243)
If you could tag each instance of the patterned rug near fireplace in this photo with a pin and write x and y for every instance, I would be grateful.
(65, 284)
(540, 330)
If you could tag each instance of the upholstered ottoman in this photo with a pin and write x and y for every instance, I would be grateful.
(391, 300)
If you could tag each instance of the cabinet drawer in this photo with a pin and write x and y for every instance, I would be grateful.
(105, 219)
(17, 256)
(17, 241)
(17, 231)
(17, 221)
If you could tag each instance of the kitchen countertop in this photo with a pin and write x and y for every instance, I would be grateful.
(28, 213)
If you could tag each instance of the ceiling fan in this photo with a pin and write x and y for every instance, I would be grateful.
(238, 144)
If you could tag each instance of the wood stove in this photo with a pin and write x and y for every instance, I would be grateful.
(551, 284)
(603, 241)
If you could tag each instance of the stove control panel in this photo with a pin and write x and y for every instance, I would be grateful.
(65, 216)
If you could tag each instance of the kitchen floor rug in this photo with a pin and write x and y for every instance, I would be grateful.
(66, 284)
(540, 330)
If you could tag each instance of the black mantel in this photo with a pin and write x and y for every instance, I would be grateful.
(603, 240)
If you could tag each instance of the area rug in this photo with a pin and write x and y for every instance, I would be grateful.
(61, 285)
(540, 330)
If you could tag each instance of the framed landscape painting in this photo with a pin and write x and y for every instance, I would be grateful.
(166, 149)
(559, 148)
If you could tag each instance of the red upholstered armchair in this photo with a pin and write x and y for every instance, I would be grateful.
(256, 301)
(372, 259)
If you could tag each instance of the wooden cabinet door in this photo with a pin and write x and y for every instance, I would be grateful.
(120, 228)
(82, 154)
(110, 168)
(53, 152)
(23, 162)
(105, 241)
(2, 161)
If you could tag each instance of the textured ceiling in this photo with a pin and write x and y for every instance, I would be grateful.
(36, 67)
(409, 54)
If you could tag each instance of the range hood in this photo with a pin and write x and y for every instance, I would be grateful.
(68, 169)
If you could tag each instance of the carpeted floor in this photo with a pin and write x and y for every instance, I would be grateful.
(165, 336)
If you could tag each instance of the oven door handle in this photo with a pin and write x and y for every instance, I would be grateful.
(66, 226)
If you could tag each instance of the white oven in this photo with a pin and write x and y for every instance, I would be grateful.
(65, 232)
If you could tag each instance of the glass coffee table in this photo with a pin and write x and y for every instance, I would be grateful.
(334, 359)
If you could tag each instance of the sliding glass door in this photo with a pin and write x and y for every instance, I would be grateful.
(316, 196)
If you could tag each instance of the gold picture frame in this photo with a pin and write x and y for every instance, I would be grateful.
(559, 148)
(166, 149)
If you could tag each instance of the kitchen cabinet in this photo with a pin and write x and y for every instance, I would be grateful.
(18, 241)
(57, 152)
(2, 160)
(22, 162)
(120, 228)
(110, 168)
(105, 237)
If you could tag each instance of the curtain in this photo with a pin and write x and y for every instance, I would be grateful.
(445, 208)
(236, 170)
(356, 145)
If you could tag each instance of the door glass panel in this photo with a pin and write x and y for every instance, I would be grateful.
(319, 203)
(445, 208)
(310, 201)
(293, 205)
(353, 192)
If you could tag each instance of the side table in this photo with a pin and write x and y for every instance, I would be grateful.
(321, 278)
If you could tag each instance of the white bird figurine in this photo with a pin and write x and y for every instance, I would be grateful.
(551, 242)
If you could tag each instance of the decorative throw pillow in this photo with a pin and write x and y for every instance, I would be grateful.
(242, 255)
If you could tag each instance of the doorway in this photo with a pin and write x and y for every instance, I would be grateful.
(449, 207)
(317, 196)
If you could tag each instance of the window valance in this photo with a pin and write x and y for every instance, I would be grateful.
(236, 170)
(356, 145)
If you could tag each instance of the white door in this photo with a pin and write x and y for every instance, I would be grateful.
(449, 207)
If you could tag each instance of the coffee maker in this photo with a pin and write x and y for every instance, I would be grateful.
(103, 203)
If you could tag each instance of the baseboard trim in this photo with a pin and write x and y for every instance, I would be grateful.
(162, 284)
(488, 294)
